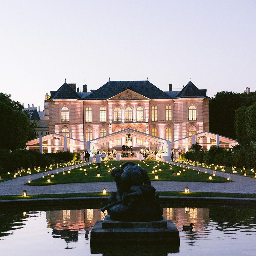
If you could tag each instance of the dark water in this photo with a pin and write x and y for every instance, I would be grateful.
(218, 230)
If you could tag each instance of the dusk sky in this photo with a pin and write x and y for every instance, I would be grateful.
(169, 41)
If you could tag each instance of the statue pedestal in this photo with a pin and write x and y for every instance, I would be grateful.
(109, 232)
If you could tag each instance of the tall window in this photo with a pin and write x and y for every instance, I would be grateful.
(168, 134)
(64, 132)
(88, 114)
(88, 134)
(154, 132)
(128, 114)
(168, 113)
(64, 114)
(140, 114)
(154, 113)
(191, 131)
(117, 115)
(103, 132)
(192, 113)
(103, 114)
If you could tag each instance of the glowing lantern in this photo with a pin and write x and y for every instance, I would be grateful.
(104, 191)
(48, 180)
(186, 190)
(98, 174)
(24, 193)
(156, 177)
(210, 177)
(29, 181)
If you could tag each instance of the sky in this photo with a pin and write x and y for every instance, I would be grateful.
(210, 42)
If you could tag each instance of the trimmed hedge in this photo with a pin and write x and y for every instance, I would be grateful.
(238, 156)
(10, 161)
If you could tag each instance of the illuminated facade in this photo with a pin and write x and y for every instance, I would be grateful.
(119, 105)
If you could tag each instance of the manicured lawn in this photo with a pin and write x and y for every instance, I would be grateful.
(90, 173)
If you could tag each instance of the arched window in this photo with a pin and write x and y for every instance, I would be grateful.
(128, 114)
(168, 113)
(140, 114)
(192, 113)
(117, 115)
(103, 132)
(154, 132)
(168, 134)
(88, 134)
(191, 131)
(64, 114)
(65, 132)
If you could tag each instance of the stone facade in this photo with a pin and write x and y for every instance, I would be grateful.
(137, 105)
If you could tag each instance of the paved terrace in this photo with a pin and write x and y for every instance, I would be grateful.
(240, 184)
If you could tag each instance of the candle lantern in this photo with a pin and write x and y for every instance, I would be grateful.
(186, 190)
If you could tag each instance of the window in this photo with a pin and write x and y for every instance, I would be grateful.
(154, 113)
(154, 132)
(140, 114)
(65, 132)
(103, 114)
(191, 131)
(64, 114)
(139, 141)
(118, 142)
(88, 114)
(117, 115)
(168, 113)
(128, 114)
(88, 134)
(168, 134)
(192, 113)
(103, 132)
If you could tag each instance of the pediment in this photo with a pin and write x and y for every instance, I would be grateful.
(128, 95)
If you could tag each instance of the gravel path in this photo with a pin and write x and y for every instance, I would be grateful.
(240, 184)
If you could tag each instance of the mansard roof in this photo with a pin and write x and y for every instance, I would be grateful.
(113, 88)
(191, 91)
(64, 92)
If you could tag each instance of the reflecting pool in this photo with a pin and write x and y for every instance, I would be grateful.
(218, 230)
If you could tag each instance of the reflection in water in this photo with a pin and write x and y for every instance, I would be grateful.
(215, 226)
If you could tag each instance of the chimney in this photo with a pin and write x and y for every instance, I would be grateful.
(73, 86)
(170, 87)
(77, 89)
(85, 88)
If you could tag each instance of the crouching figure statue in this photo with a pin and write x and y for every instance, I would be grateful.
(135, 198)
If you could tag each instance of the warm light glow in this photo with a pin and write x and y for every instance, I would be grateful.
(98, 174)
(104, 191)
(29, 181)
(48, 180)
(156, 177)
(24, 193)
(186, 190)
(210, 177)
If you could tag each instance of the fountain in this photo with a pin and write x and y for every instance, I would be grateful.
(134, 213)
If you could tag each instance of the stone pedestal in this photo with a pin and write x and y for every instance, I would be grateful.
(109, 233)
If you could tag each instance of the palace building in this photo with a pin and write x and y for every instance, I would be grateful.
(137, 107)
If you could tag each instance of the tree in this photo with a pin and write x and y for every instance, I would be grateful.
(15, 127)
(245, 125)
(222, 112)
